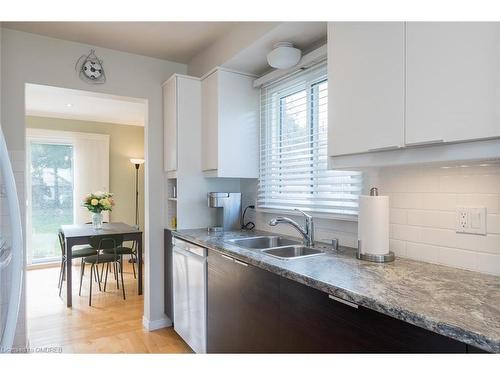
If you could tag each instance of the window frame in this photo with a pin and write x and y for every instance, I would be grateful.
(288, 87)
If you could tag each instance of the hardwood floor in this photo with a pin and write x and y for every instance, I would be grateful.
(110, 325)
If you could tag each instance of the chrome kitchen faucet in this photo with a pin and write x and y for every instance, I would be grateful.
(307, 232)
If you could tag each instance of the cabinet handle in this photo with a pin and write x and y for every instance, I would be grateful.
(226, 257)
(385, 148)
(424, 143)
(240, 263)
(343, 301)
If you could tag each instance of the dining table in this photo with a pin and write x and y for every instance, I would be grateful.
(80, 234)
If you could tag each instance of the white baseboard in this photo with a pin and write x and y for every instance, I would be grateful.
(151, 325)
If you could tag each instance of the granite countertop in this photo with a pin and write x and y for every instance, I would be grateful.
(463, 305)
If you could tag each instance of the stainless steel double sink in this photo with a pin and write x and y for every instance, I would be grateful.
(277, 247)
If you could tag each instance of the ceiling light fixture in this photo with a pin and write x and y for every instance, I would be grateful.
(69, 105)
(284, 55)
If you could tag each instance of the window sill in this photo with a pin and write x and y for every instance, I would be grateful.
(351, 218)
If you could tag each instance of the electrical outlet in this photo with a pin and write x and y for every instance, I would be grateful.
(471, 220)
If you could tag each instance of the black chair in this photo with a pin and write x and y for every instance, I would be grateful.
(77, 252)
(101, 243)
(124, 250)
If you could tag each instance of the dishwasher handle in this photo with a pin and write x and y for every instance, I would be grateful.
(188, 253)
(189, 247)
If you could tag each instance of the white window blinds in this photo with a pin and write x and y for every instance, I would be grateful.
(293, 149)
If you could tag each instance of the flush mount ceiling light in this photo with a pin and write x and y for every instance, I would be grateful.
(284, 55)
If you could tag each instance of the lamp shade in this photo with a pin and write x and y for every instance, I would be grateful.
(137, 161)
(284, 55)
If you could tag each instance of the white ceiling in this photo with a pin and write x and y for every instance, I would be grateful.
(49, 101)
(174, 41)
(304, 35)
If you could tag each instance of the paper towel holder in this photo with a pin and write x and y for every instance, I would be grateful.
(383, 258)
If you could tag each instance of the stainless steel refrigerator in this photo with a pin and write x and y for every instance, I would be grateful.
(11, 251)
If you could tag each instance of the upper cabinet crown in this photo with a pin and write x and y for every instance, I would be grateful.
(230, 125)
(395, 86)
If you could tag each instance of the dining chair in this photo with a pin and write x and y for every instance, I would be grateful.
(124, 250)
(109, 242)
(77, 252)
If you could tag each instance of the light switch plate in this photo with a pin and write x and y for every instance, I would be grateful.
(471, 220)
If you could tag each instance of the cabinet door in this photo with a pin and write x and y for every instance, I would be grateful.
(170, 124)
(258, 309)
(243, 307)
(366, 87)
(312, 322)
(452, 81)
(238, 126)
(168, 274)
(222, 319)
(209, 121)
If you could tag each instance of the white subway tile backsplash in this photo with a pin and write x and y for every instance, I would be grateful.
(423, 214)
(458, 184)
(435, 219)
(458, 258)
(405, 232)
(423, 203)
(488, 183)
(398, 247)
(439, 202)
(490, 201)
(398, 216)
(404, 200)
(423, 183)
(419, 251)
(485, 244)
(493, 224)
(488, 263)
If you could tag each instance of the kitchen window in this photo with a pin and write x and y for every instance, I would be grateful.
(293, 149)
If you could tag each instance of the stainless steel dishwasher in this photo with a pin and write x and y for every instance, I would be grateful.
(190, 293)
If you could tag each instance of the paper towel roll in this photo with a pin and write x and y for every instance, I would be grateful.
(373, 224)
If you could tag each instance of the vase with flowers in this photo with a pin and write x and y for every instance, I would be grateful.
(96, 203)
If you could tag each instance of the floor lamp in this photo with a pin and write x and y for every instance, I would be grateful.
(137, 163)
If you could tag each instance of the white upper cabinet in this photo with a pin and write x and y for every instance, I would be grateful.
(366, 87)
(209, 128)
(181, 110)
(230, 125)
(453, 81)
(170, 124)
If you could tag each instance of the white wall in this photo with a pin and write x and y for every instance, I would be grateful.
(29, 58)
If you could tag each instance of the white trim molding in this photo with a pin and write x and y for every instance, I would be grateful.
(153, 325)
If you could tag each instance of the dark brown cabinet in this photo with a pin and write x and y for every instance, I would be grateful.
(251, 310)
(242, 305)
(312, 322)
